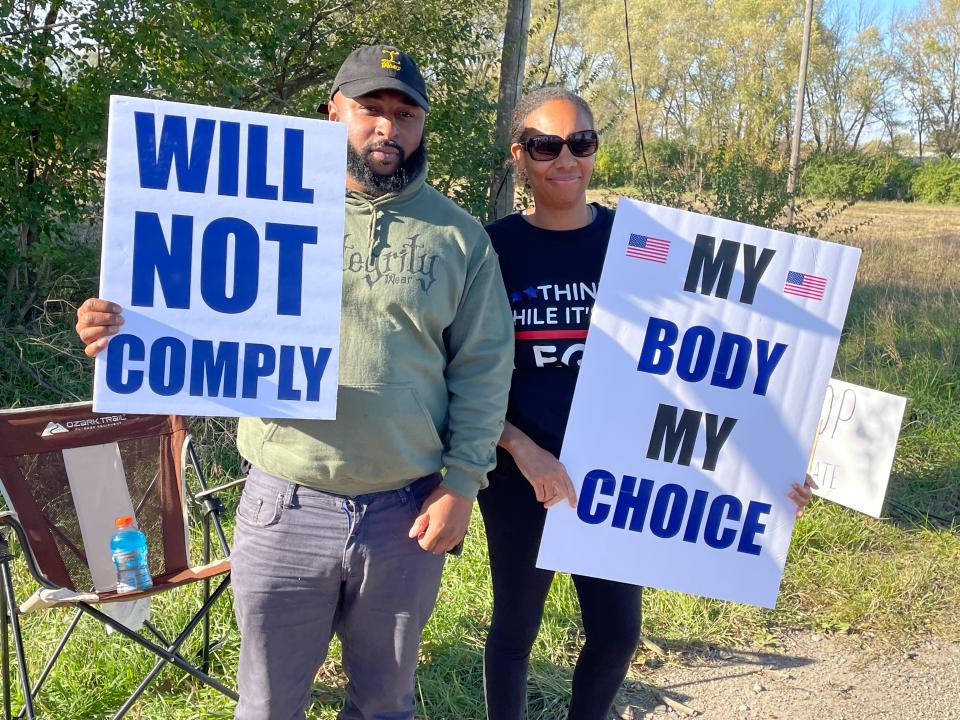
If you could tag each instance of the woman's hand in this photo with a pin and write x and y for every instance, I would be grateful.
(802, 494)
(542, 470)
(546, 474)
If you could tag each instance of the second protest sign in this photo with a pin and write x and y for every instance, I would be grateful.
(710, 346)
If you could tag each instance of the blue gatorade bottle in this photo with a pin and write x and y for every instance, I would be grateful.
(128, 546)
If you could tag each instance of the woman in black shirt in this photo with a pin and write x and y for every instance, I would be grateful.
(551, 257)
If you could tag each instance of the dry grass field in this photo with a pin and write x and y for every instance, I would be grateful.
(905, 243)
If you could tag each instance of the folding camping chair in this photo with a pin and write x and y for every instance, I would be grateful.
(66, 473)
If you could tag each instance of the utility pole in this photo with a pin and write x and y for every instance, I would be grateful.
(798, 115)
(512, 62)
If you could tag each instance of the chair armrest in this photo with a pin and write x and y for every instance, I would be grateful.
(190, 457)
(214, 490)
(9, 519)
(45, 598)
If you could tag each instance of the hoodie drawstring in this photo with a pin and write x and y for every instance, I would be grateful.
(373, 231)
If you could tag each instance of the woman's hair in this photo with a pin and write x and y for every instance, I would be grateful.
(541, 96)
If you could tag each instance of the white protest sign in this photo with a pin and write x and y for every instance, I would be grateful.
(223, 244)
(710, 345)
(855, 445)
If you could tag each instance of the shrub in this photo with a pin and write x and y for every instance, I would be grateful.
(745, 186)
(937, 182)
(615, 164)
(671, 163)
(898, 171)
(836, 176)
(854, 175)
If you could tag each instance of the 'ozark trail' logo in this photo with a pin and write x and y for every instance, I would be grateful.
(410, 264)
(55, 428)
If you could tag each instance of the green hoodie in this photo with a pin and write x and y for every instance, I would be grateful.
(426, 355)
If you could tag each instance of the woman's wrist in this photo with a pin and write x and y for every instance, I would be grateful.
(512, 439)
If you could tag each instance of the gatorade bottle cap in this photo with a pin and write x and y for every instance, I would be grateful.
(124, 521)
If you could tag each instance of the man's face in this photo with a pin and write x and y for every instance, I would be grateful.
(383, 128)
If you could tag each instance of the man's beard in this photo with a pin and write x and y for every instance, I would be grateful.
(376, 184)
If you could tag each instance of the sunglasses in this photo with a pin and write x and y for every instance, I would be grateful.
(548, 147)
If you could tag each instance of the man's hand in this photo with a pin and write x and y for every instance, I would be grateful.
(802, 494)
(97, 320)
(544, 472)
(442, 521)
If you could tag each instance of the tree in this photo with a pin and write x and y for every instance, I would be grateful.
(62, 59)
(851, 78)
(704, 70)
(929, 50)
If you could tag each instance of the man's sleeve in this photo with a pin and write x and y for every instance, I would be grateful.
(479, 367)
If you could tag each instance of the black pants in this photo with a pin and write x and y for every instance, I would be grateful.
(611, 610)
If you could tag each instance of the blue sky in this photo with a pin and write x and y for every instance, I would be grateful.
(903, 4)
(885, 7)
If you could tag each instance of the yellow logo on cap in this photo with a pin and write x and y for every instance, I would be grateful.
(389, 61)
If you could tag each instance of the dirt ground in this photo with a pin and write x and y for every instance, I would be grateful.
(811, 677)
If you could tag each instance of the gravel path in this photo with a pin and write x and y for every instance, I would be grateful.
(810, 678)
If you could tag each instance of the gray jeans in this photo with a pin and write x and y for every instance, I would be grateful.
(307, 564)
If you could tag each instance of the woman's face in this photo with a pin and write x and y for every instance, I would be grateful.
(561, 182)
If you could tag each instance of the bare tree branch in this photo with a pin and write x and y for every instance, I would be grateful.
(33, 374)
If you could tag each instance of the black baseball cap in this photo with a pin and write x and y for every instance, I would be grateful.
(380, 67)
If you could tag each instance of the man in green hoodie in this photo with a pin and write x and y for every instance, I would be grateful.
(343, 524)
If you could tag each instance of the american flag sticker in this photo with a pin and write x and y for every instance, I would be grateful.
(805, 285)
(644, 247)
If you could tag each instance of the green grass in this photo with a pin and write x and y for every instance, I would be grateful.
(896, 578)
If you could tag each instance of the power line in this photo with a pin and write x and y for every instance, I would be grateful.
(553, 44)
(636, 107)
